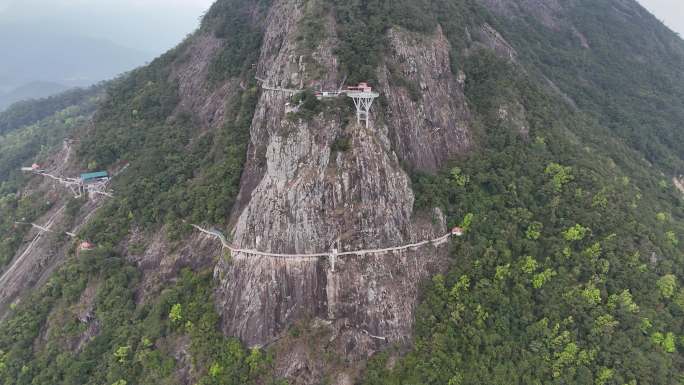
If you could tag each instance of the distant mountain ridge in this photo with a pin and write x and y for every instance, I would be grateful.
(37, 89)
(41, 62)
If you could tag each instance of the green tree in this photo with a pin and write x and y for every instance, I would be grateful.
(467, 221)
(560, 175)
(605, 325)
(669, 344)
(176, 313)
(666, 341)
(503, 272)
(3, 365)
(604, 376)
(540, 279)
(215, 370)
(458, 178)
(672, 238)
(533, 231)
(121, 354)
(624, 300)
(667, 285)
(645, 326)
(254, 361)
(679, 299)
(529, 265)
(592, 295)
(575, 233)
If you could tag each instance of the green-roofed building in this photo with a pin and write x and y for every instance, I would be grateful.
(93, 176)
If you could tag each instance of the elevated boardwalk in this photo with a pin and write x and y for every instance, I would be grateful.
(333, 253)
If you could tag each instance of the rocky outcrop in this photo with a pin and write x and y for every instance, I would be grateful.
(43, 252)
(205, 102)
(679, 183)
(547, 12)
(512, 114)
(429, 124)
(492, 40)
(161, 260)
(300, 196)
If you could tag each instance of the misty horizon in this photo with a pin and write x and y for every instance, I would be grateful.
(149, 26)
(155, 26)
(95, 41)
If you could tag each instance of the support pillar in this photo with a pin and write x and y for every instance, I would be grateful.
(363, 102)
(333, 258)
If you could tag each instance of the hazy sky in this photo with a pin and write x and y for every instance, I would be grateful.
(149, 25)
(157, 25)
(669, 11)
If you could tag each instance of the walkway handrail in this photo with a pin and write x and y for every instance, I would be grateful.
(436, 242)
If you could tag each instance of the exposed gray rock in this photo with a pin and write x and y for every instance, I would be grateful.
(679, 183)
(298, 196)
(493, 40)
(43, 252)
(190, 71)
(545, 11)
(513, 115)
(159, 261)
(429, 131)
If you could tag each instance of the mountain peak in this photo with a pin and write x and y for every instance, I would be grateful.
(250, 224)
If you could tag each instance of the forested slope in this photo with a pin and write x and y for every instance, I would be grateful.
(570, 270)
(29, 132)
(616, 62)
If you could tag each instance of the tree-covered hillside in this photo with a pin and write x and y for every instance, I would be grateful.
(571, 268)
(31, 111)
(617, 63)
(29, 132)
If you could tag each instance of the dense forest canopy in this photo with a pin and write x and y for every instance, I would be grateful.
(571, 267)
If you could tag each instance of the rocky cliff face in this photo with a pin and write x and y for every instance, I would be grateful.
(430, 129)
(300, 196)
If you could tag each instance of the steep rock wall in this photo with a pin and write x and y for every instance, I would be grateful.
(428, 130)
(299, 196)
(204, 102)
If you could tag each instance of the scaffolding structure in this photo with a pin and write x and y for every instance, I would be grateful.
(363, 102)
(79, 187)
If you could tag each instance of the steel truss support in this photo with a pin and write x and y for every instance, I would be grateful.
(363, 102)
